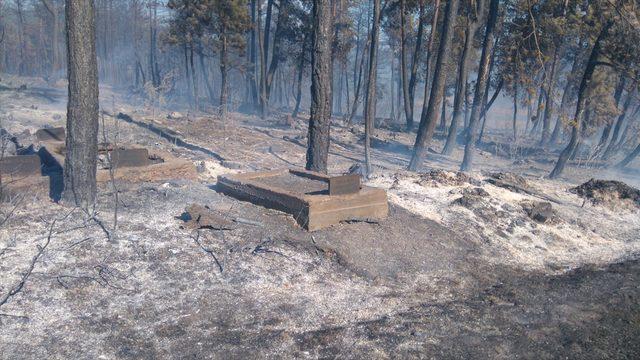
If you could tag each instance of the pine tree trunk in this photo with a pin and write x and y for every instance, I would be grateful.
(616, 131)
(515, 111)
(276, 52)
(205, 75)
(358, 87)
(566, 97)
(461, 90)
(321, 76)
(487, 107)
(263, 63)
(370, 104)
(253, 56)
(432, 39)
(549, 95)
(606, 131)
(194, 80)
(429, 117)
(224, 60)
(403, 66)
(55, 52)
(481, 84)
(629, 158)
(414, 64)
(580, 107)
(82, 107)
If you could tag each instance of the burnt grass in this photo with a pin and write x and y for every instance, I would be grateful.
(403, 288)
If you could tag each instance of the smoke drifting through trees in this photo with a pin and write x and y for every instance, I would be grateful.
(570, 69)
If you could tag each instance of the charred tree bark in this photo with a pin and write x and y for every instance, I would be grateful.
(253, 57)
(580, 107)
(549, 95)
(224, 88)
(566, 97)
(629, 158)
(358, 88)
(55, 48)
(429, 119)
(487, 107)
(461, 91)
(153, 45)
(617, 95)
(82, 107)
(413, 79)
(481, 83)
(515, 110)
(205, 75)
(299, 87)
(262, 95)
(370, 104)
(432, 39)
(409, 80)
(610, 150)
(276, 52)
(321, 76)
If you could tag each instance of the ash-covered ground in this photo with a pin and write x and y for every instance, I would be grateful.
(499, 263)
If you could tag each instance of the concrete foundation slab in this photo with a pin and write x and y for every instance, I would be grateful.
(305, 195)
(19, 166)
(129, 157)
(53, 134)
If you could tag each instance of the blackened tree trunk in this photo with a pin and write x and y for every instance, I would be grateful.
(580, 107)
(153, 44)
(253, 57)
(82, 107)
(487, 107)
(481, 84)
(205, 75)
(629, 158)
(358, 87)
(403, 64)
(549, 96)
(432, 40)
(55, 52)
(429, 117)
(321, 76)
(302, 60)
(566, 98)
(515, 110)
(461, 91)
(627, 129)
(194, 80)
(611, 147)
(263, 63)
(224, 88)
(413, 79)
(277, 46)
(370, 104)
(617, 95)
(409, 80)
(299, 86)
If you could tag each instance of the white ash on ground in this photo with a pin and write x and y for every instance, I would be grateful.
(498, 219)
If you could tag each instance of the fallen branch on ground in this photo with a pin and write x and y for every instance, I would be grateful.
(18, 287)
(207, 250)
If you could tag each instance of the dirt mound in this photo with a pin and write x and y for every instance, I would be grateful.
(611, 193)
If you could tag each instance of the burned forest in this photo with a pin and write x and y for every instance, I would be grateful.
(349, 179)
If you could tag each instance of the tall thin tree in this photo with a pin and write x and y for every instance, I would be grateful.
(429, 117)
(82, 108)
(321, 77)
(481, 86)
